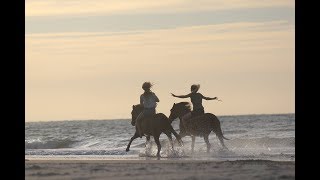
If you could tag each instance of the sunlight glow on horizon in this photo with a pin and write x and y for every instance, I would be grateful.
(98, 75)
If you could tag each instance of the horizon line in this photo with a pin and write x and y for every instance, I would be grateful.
(109, 119)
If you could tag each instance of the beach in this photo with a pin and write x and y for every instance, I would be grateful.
(151, 168)
(260, 147)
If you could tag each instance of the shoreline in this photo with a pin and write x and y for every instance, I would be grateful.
(150, 160)
(158, 169)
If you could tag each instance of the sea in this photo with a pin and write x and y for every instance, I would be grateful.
(252, 137)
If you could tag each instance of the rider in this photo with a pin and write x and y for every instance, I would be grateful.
(149, 102)
(196, 99)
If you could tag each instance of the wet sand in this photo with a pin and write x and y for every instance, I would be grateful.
(158, 169)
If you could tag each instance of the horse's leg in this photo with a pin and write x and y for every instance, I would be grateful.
(156, 139)
(192, 144)
(148, 140)
(138, 124)
(168, 133)
(178, 137)
(135, 136)
(181, 135)
(206, 139)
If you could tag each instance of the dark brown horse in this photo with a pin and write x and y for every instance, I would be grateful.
(197, 126)
(153, 126)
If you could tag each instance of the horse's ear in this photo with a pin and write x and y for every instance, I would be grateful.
(174, 103)
(132, 106)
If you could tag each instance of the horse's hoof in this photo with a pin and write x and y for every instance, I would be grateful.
(127, 149)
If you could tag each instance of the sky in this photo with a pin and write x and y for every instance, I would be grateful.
(88, 59)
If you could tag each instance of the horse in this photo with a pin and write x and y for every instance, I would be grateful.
(153, 126)
(197, 126)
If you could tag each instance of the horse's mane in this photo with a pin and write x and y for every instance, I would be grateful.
(138, 106)
(185, 105)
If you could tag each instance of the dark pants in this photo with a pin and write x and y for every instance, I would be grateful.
(197, 112)
(149, 112)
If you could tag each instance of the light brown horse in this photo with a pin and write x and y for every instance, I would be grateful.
(153, 126)
(197, 126)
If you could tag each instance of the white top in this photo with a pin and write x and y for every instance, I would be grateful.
(149, 101)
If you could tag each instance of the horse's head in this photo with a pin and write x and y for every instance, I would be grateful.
(136, 110)
(179, 110)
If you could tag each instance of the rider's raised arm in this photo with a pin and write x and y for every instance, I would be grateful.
(208, 98)
(181, 96)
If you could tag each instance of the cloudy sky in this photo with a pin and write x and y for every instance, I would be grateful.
(88, 59)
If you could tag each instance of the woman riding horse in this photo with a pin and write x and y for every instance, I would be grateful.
(148, 122)
(149, 102)
(153, 126)
(197, 126)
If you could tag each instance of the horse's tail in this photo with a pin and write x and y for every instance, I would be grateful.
(220, 132)
(216, 127)
(225, 137)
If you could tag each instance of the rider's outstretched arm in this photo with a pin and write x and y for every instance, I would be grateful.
(209, 98)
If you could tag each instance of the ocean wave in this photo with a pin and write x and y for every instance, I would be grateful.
(263, 142)
(283, 130)
(51, 144)
(235, 131)
(60, 152)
